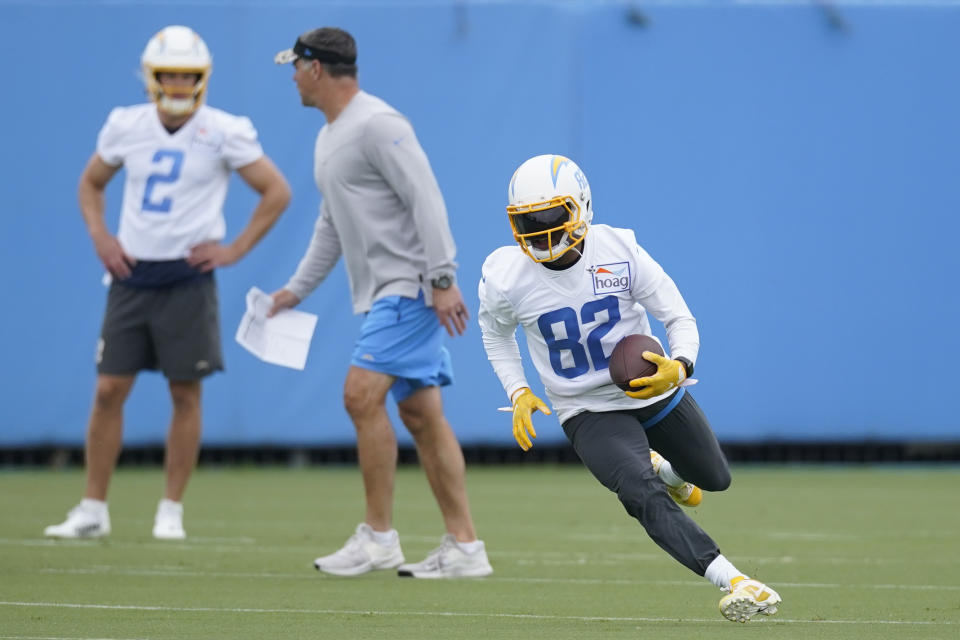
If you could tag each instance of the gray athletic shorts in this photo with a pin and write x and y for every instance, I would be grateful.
(175, 329)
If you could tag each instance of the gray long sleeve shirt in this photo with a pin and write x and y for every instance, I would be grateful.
(382, 208)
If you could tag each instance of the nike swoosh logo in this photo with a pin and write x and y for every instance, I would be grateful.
(399, 140)
(86, 529)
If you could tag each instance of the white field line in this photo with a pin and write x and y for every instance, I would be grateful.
(237, 540)
(524, 557)
(197, 543)
(614, 534)
(618, 560)
(60, 638)
(444, 614)
(176, 572)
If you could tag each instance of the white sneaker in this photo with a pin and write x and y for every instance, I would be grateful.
(449, 561)
(361, 554)
(89, 519)
(168, 524)
(747, 598)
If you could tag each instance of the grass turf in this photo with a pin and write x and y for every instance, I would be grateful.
(855, 553)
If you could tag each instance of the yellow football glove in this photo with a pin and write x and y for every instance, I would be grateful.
(523, 407)
(670, 374)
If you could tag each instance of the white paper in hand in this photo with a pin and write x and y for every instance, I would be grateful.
(283, 339)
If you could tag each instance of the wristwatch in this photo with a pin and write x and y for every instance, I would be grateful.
(443, 281)
(686, 365)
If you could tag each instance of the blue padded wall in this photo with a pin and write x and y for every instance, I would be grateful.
(794, 175)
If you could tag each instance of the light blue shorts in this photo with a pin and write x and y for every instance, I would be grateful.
(403, 338)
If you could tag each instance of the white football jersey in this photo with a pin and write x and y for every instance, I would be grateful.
(573, 318)
(176, 183)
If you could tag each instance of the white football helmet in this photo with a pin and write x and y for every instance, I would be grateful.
(550, 208)
(176, 49)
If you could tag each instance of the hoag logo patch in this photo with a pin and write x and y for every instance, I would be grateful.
(611, 278)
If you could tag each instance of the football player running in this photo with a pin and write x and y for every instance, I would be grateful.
(162, 310)
(577, 289)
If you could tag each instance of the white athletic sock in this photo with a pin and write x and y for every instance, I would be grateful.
(720, 572)
(95, 506)
(470, 547)
(668, 475)
(385, 538)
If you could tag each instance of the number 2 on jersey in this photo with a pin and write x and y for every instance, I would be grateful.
(571, 343)
(171, 175)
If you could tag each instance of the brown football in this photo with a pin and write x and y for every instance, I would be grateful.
(627, 361)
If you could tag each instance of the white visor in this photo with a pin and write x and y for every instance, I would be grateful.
(285, 56)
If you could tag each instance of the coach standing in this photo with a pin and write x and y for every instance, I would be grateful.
(383, 210)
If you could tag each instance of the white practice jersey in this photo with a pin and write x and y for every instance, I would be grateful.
(175, 183)
(573, 318)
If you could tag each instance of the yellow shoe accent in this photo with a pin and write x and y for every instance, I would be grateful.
(687, 494)
(656, 460)
(747, 598)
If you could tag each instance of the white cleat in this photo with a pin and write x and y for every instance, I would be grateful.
(85, 520)
(168, 524)
(361, 554)
(449, 561)
(747, 598)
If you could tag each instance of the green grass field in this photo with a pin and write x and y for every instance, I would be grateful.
(855, 553)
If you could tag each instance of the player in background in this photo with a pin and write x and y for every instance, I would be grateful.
(577, 289)
(162, 309)
(383, 210)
